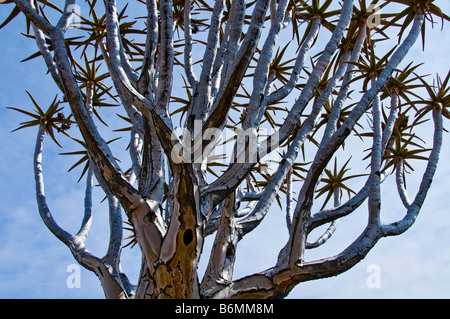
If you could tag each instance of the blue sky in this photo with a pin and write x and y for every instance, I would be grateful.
(33, 262)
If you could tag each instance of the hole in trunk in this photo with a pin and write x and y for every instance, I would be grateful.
(188, 236)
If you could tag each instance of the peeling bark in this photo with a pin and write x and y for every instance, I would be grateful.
(171, 203)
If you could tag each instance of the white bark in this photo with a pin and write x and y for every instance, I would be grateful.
(375, 162)
(331, 228)
(188, 45)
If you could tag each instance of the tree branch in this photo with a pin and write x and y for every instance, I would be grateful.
(219, 271)
(31, 14)
(298, 66)
(306, 194)
(261, 75)
(243, 58)
(345, 88)
(48, 58)
(44, 211)
(295, 246)
(333, 226)
(97, 147)
(399, 178)
(166, 57)
(157, 111)
(151, 46)
(87, 219)
(76, 243)
(64, 21)
(228, 181)
(188, 45)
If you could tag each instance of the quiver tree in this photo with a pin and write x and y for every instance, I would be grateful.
(190, 72)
